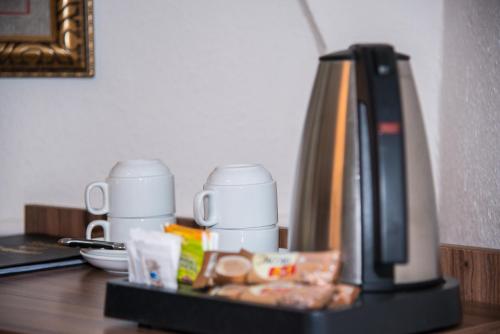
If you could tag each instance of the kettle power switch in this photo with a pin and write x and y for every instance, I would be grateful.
(389, 128)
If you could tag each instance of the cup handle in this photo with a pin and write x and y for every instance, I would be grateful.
(103, 223)
(199, 209)
(104, 209)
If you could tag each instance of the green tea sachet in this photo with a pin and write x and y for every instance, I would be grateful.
(194, 244)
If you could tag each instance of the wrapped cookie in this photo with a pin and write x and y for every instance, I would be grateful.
(316, 268)
(269, 293)
(281, 293)
(308, 296)
(344, 295)
(231, 291)
(221, 268)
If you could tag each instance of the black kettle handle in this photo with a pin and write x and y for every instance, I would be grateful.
(378, 89)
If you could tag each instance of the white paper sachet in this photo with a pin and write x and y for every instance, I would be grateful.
(132, 269)
(154, 258)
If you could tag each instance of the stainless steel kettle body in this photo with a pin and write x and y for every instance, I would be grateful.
(363, 182)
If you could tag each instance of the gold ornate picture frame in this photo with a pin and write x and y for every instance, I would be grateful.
(68, 51)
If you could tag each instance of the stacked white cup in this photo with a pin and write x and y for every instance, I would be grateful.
(239, 202)
(136, 194)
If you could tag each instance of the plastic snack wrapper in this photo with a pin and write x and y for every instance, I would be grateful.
(316, 268)
(301, 280)
(308, 296)
(223, 268)
(344, 295)
(153, 258)
(231, 291)
(281, 293)
(313, 268)
(194, 244)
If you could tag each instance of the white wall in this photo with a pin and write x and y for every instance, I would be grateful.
(196, 84)
(470, 124)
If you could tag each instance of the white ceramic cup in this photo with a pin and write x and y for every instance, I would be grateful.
(117, 229)
(263, 239)
(237, 196)
(135, 188)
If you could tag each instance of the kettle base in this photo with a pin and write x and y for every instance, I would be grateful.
(389, 286)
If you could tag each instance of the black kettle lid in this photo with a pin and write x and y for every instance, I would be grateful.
(349, 54)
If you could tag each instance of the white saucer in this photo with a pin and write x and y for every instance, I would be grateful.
(106, 252)
(113, 261)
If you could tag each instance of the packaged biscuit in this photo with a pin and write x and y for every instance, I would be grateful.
(308, 296)
(282, 293)
(194, 243)
(316, 268)
(320, 268)
(344, 295)
(231, 291)
(269, 293)
(221, 268)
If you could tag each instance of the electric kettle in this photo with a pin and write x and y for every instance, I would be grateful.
(363, 181)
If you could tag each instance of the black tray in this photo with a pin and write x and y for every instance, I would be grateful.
(195, 312)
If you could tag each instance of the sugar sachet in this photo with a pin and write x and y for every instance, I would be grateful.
(153, 258)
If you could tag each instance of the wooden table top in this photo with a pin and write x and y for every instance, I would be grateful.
(71, 300)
